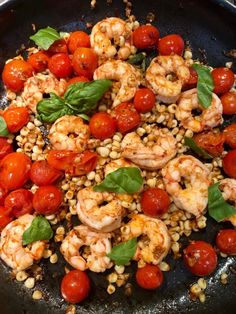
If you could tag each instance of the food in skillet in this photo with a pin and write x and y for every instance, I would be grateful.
(131, 145)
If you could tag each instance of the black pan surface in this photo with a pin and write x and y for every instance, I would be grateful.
(209, 26)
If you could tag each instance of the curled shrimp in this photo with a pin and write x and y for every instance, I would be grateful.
(209, 117)
(125, 73)
(111, 37)
(69, 132)
(228, 188)
(99, 245)
(12, 251)
(190, 172)
(154, 243)
(162, 148)
(157, 75)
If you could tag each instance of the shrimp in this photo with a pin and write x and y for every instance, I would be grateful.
(69, 132)
(12, 251)
(149, 157)
(209, 118)
(98, 243)
(111, 37)
(125, 73)
(92, 211)
(228, 188)
(157, 75)
(194, 196)
(154, 245)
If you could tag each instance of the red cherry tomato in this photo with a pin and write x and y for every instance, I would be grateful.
(226, 241)
(47, 200)
(84, 62)
(223, 79)
(192, 82)
(75, 286)
(61, 159)
(144, 100)
(77, 79)
(127, 117)
(230, 135)
(155, 202)
(102, 125)
(229, 102)
(213, 143)
(15, 73)
(200, 258)
(16, 118)
(59, 46)
(78, 39)
(19, 202)
(171, 44)
(5, 147)
(229, 164)
(149, 277)
(14, 170)
(60, 65)
(5, 218)
(41, 173)
(146, 37)
(3, 193)
(39, 61)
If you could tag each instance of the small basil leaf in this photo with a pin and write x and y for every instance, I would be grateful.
(218, 208)
(205, 85)
(137, 59)
(188, 141)
(39, 229)
(84, 116)
(122, 253)
(3, 128)
(45, 37)
(123, 180)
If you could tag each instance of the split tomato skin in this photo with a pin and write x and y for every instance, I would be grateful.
(85, 62)
(41, 173)
(145, 37)
(19, 202)
(16, 118)
(39, 61)
(213, 143)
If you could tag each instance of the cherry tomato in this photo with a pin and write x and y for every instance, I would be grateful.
(75, 286)
(16, 118)
(146, 37)
(229, 102)
(41, 173)
(61, 159)
(19, 202)
(60, 65)
(171, 44)
(127, 117)
(192, 82)
(223, 79)
(84, 62)
(144, 100)
(47, 200)
(5, 147)
(200, 258)
(155, 202)
(226, 241)
(3, 193)
(213, 143)
(78, 39)
(5, 218)
(15, 73)
(149, 277)
(229, 164)
(59, 46)
(14, 170)
(77, 79)
(230, 135)
(39, 61)
(102, 125)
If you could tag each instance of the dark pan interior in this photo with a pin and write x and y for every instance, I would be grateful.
(210, 29)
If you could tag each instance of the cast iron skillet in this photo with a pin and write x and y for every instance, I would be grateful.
(210, 28)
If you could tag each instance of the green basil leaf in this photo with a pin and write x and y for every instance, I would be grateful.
(45, 37)
(205, 85)
(188, 141)
(122, 180)
(137, 59)
(3, 128)
(40, 229)
(218, 208)
(84, 116)
(122, 253)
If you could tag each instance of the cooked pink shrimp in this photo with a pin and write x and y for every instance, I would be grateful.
(209, 118)
(228, 188)
(12, 251)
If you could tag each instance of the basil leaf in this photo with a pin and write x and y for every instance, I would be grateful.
(45, 37)
(39, 229)
(122, 253)
(3, 128)
(122, 180)
(188, 141)
(218, 208)
(84, 116)
(205, 85)
(137, 59)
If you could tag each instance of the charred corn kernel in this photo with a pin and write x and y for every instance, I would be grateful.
(175, 237)
(202, 283)
(119, 269)
(91, 175)
(140, 131)
(65, 186)
(21, 275)
(175, 247)
(37, 122)
(128, 289)
(30, 126)
(224, 278)
(71, 309)
(54, 221)
(189, 133)
(125, 229)
(58, 237)
(152, 182)
(30, 283)
(60, 230)
(117, 138)
(202, 297)
(69, 194)
(164, 266)
(103, 151)
(113, 155)
(24, 131)
(50, 217)
(111, 289)
(87, 183)
(141, 263)
(37, 295)
(47, 253)
(195, 289)
(53, 258)
(112, 278)
(188, 54)
(120, 282)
